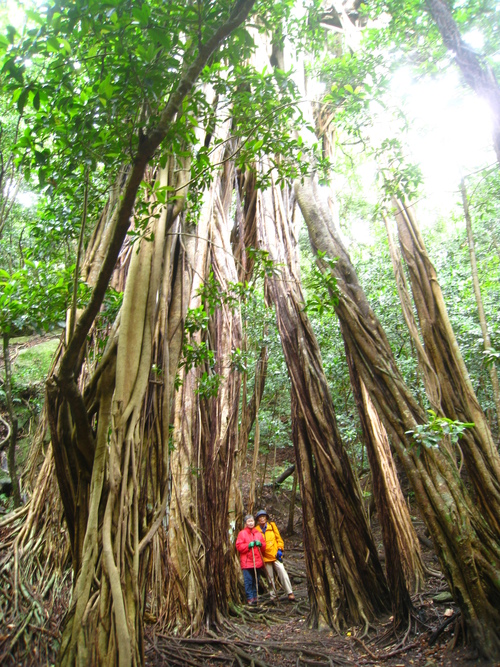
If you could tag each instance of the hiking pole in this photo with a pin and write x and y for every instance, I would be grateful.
(255, 573)
(270, 578)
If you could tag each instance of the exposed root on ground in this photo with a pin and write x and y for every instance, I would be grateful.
(276, 635)
(35, 588)
(242, 650)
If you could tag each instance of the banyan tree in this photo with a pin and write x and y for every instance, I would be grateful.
(146, 440)
(110, 437)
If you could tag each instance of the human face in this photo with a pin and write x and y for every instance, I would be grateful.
(262, 520)
(250, 523)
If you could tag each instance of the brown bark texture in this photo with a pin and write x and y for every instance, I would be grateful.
(128, 476)
(468, 550)
(404, 567)
(430, 379)
(202, 574)
(458, 400)
(243, 237)
(345, 579)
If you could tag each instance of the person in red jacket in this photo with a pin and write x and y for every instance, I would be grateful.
(249, 543)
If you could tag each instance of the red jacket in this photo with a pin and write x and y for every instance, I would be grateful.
(244, 538)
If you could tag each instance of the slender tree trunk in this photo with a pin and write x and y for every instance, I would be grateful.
(458, 400)
(285, 475)
(479, 301)
(253, 472)
(476, 71)
(291, 509)
(11, 458)
(345, 578)
(468, 551)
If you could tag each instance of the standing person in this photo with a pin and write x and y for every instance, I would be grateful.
(272, 553)
(249, 543)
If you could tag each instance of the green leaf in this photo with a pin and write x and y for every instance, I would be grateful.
(53, 45)
(66, 45)
(106, 88)
(23, 98)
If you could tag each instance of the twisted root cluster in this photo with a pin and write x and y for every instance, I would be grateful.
(35, 580)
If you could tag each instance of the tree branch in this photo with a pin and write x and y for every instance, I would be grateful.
(145, 152)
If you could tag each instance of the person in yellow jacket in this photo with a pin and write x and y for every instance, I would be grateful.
(273, 553)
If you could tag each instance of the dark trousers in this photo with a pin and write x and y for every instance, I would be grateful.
(251, 583)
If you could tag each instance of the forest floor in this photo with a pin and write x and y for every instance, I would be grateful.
(278, 635)
(275, 635)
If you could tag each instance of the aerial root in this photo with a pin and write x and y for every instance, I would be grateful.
(366, 628)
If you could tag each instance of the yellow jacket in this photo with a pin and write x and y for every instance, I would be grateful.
(273, 541)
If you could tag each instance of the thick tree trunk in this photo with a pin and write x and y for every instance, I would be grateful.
(458, 400)
(403, 559)
(345, 578)
(100, 469)
(201, 568)
(476, 71)
(253, 471)
(251, 408)
(479, 301)
(111, 545)
(158, 412)
(219, 418)
(468, 551)
(243, 237)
